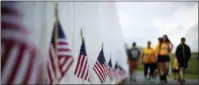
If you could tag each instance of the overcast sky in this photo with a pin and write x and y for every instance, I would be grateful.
(142, 21)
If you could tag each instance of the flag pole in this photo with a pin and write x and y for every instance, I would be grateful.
(102, 45)
(55, 38)
(81, 34)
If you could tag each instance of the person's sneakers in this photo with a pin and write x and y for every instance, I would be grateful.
(165, 79)
(134, 80)
(152, 80)
(178, 79)
(146, 79)
(182, 81)
(162, 82)
(130, 79)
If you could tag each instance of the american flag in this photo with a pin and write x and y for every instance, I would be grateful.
(119, 72)
(60, 59)
(82, 67)
(116, 71)
(100, 67)
(110, 70)
(19, 63)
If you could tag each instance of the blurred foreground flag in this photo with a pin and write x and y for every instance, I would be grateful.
(19, 63)
(82, 67)
(60, 58)
(119, 72)
(110, 70)
(100, 67)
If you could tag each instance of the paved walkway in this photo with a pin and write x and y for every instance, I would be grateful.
(140, 80)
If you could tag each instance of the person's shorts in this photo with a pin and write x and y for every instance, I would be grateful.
(132, 65)
(155, 65)
(163, 58)
(184, 65)
(175, 70)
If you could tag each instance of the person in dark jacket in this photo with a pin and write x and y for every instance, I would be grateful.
(183, 54)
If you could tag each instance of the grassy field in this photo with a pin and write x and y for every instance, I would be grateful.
(191, 71)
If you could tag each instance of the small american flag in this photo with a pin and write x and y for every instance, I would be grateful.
(100, 67)
(82, 67)
(60, 59)
(110, 70)
(119, 72)
(19, 63)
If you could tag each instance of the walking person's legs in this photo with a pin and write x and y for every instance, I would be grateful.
(181, 73)
(152, 69)
(166, 71)
(176, 74)
(130, 71)
(161, 71)
(146, 66)
(134, 70)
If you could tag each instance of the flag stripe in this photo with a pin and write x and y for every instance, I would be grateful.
(67, 66)
(65, 61)
(77, 66)
(102, 69)
(32, 78)
(62, 43)
(82, 61)
(49, 74)
(24, 67)
(10, 19)
(86, 76)
(17, 64)
(29, 70)
(98, 73)
(11, 26)
(9, 11)
(2, 49)
(7, 50)
(52, 56)
(66, 49)
(9, 64)
(84, 68)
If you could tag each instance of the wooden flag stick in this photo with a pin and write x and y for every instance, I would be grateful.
(55, 38)
(81, 34)
(102, 45)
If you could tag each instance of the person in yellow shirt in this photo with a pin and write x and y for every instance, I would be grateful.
(156, 72)
(148, 60)
(175, 69)
(163, 52)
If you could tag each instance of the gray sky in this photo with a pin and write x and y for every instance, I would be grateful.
(142, 21)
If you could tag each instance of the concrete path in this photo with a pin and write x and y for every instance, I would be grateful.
(140, 80)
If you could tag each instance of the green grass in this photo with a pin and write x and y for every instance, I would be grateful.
(191, 71)
(140, 68)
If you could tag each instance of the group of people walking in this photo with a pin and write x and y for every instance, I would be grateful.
(157, 60)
